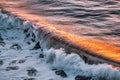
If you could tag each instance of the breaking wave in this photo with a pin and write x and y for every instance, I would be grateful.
(20, 41)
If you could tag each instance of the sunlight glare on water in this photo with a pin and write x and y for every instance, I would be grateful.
(97, 19)
(92, 19)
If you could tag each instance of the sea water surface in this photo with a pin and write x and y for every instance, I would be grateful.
(92, 19)
(23, 58)
(98, 19)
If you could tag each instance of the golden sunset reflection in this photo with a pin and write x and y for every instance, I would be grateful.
(101, 48)
(98, 47)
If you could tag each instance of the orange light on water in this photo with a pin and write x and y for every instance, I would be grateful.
(101, 48)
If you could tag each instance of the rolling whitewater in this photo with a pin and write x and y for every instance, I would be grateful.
(28, 51)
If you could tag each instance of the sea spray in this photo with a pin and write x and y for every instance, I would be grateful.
(55, 59)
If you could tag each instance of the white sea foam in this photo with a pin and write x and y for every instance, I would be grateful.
(12, 32)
